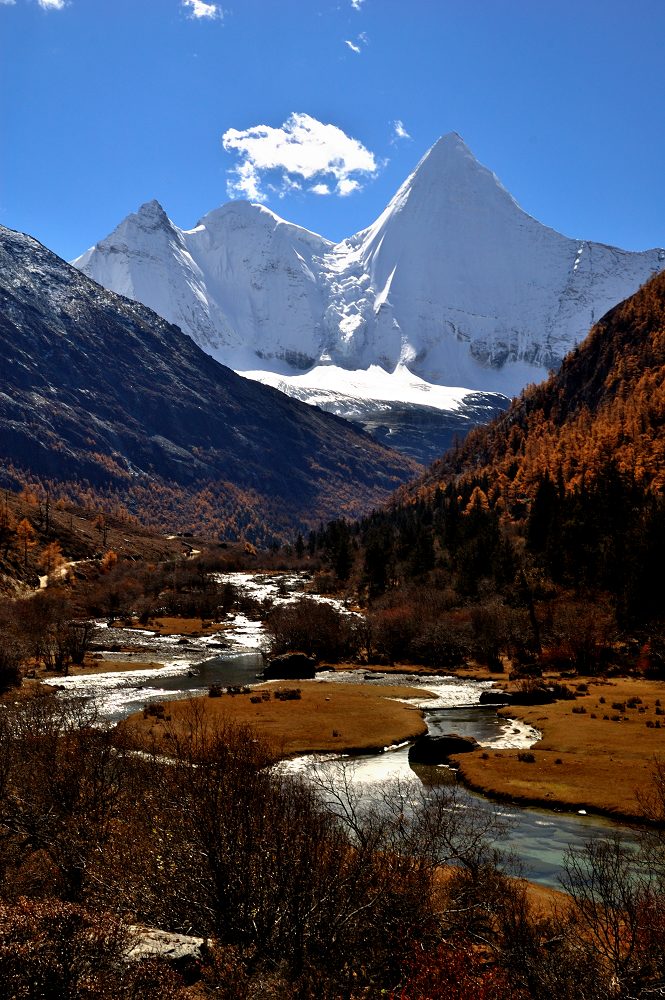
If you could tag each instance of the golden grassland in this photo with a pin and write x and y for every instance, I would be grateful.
(179, 626)
(472, 671)
(328, 717)
(600, 759)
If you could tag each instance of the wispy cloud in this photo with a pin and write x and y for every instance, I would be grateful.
(8, 3)
(399, 132)
(302, 150)
(357, 4)
(51, 4)
(199, 9)
(358, 44)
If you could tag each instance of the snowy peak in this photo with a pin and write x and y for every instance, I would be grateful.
(222, 225)
(152, 214)
(138, 234)
(149, 221)
(450, 164)
(449, 177)
(454, 281)
(98, 389)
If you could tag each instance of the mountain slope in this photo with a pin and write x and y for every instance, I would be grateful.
(454, 283)
(241, 283)
(604, 408)
(101, 389)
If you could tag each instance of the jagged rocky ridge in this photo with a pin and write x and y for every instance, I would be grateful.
(100, 389)
(454, 284)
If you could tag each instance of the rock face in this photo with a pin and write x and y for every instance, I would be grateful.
(290, 666)
(453, 284)
(438, 749)
(98, 388)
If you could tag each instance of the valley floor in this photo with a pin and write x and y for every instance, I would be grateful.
(597, 752)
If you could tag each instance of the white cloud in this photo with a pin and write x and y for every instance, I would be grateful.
(357, 4)
(347, 186)
(9, 3)
(200, 9)
(399, 132)
(354, 48)
(51, 4)
(302, 149)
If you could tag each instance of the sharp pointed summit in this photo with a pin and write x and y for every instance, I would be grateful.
(152, 209)
(150, 215)
(450, 172)
(449, 145)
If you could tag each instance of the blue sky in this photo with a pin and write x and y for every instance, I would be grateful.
(105, 104)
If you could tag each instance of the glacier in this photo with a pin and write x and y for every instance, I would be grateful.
(454, 299)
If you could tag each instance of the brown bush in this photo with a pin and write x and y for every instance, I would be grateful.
(51, 949)
(315, 628)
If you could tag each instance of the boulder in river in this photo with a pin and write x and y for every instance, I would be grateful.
(290, 666)
(437, 749)
(533, 695)
(495, 697)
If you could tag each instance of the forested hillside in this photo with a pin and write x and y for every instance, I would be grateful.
(605, 407)
(542, 536)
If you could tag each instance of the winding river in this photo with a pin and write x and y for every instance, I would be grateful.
(537, 838)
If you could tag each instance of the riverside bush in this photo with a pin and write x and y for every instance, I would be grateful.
(315, 628)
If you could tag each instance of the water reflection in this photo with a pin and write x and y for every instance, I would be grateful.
(536, 838)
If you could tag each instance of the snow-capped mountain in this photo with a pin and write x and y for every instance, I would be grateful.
(454, 284)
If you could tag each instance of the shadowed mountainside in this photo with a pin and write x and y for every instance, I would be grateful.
(100, 391)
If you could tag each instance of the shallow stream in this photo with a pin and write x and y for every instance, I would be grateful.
(537, 838)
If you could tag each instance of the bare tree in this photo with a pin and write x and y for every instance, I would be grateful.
(617, 909)
(61, 784)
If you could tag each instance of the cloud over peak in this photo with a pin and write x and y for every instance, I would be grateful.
(301, 151)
